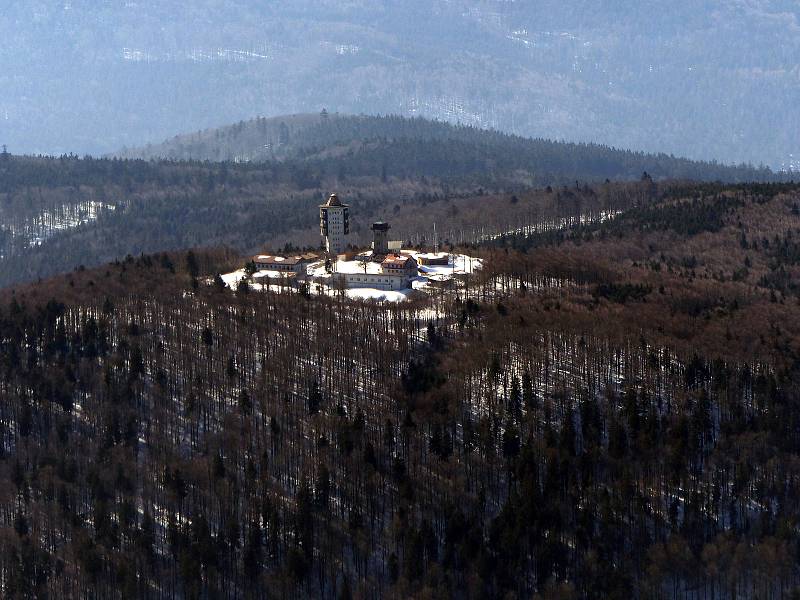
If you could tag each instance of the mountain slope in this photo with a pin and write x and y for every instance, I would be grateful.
(596, 418)
(414, 147)
(710, 79)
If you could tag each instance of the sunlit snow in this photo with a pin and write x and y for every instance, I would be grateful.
(320, 281)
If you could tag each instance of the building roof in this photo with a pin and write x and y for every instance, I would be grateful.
(333, 201)
(434, 255)
(354, 267)
(397, 261)
(380, 226)
(265, 259)
(360, 267)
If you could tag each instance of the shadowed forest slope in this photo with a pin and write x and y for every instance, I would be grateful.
(610, 409)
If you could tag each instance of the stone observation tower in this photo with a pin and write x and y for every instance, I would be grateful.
(334, 224)
(380, 238)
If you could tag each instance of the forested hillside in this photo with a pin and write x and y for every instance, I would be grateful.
(57, 214)
(413, 146)
(606, 410)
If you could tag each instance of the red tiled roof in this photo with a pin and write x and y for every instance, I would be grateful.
(396, 260)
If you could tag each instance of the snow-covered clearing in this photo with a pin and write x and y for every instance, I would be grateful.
(555, 225)
(35, 230)
(458, 264)
(321, 282)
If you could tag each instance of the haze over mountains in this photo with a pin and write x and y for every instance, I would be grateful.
(415, 147)
(708, 79)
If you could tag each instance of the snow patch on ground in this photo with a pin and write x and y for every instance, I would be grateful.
(378, 295)
(555, 225)
(38, 229)
(232, 279)
(458, 264)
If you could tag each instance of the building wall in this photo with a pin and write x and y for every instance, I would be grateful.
(296, 268)
(380, 242)
(441, 261)
(335, 240)
(380, 281)
(409, 271)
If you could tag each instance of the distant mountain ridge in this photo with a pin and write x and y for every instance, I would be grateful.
(412, 147)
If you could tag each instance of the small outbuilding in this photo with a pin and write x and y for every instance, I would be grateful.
(434, 259)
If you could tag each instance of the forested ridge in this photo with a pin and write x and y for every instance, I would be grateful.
(610, 408)
(404, 146)
(58, 213)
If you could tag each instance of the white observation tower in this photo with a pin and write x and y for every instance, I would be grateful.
(334, 224)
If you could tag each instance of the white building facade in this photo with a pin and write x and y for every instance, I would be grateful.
(377, 281)
(334, 225)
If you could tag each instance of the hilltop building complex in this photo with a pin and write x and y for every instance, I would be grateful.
(384, 267)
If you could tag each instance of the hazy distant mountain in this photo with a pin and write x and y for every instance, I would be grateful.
(342, 145)
(706, 79)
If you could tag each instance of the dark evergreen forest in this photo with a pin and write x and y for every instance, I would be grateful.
(407, 147)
